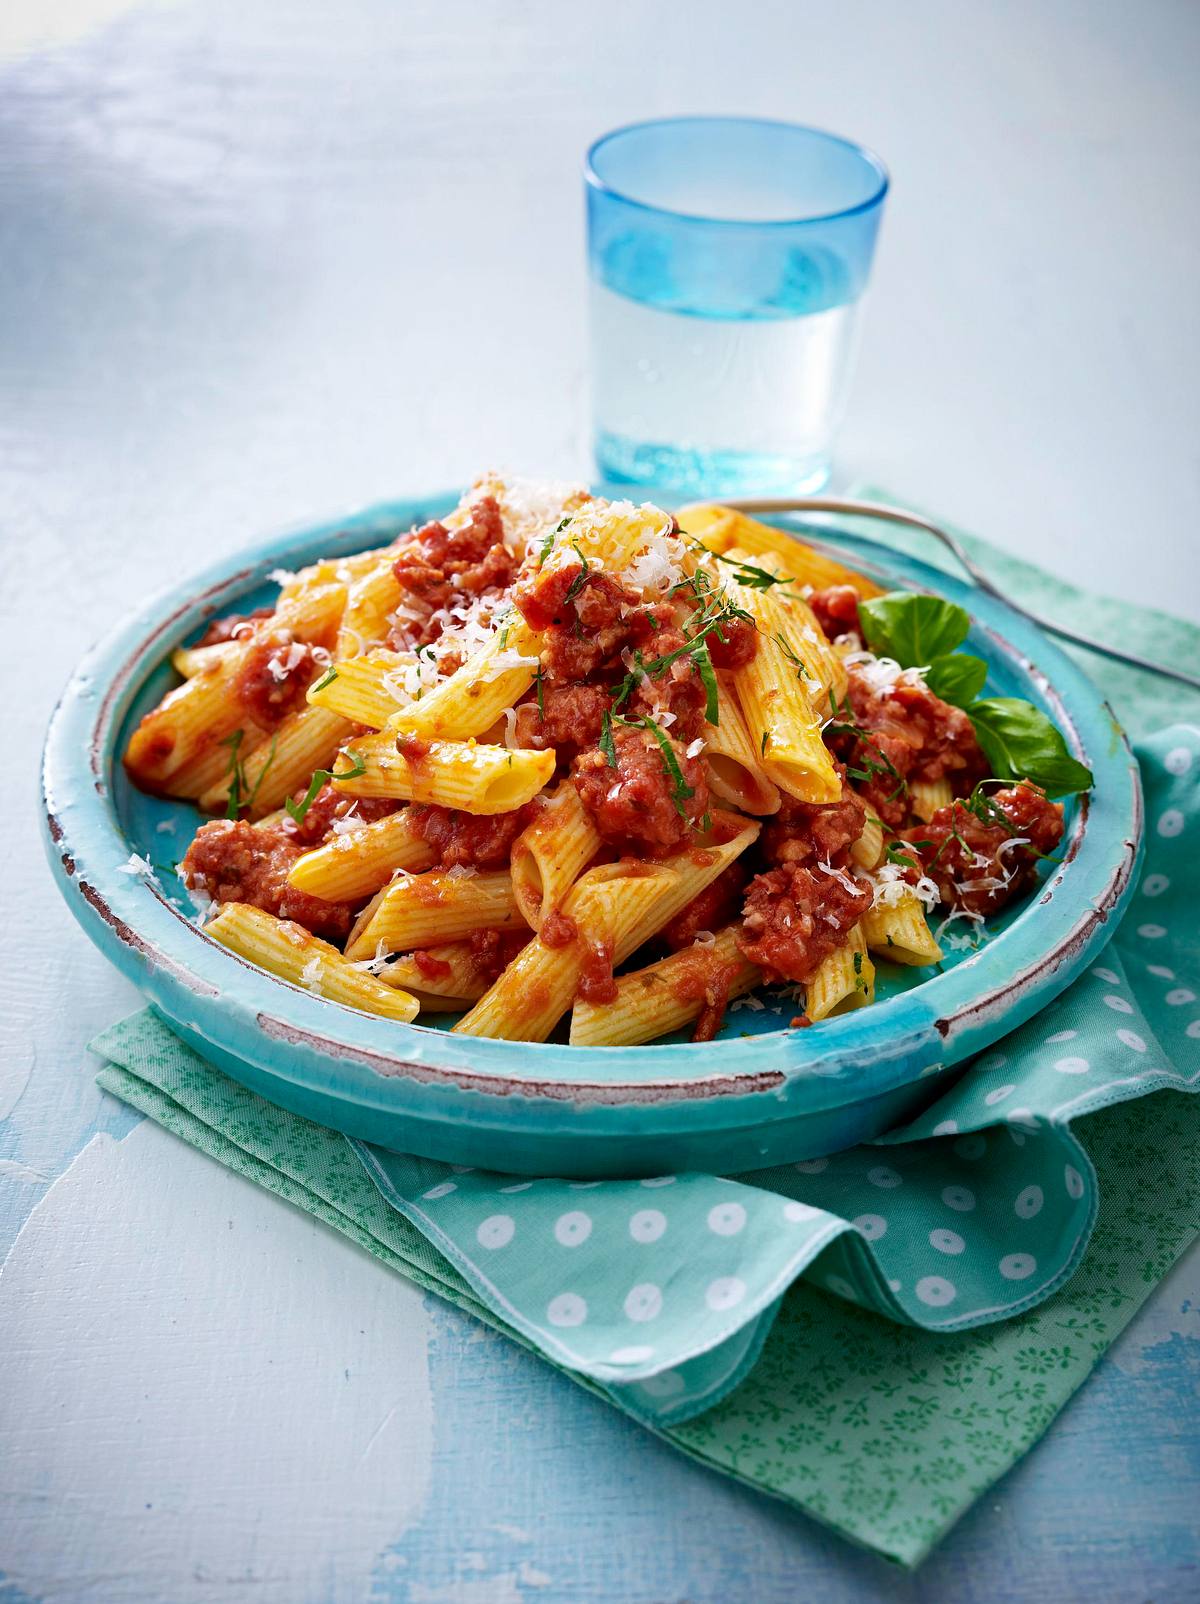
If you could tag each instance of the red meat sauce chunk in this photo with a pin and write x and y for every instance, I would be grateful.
(795, 916)
(909, 734)
(235, 861)
(438, 568)
(836, 609)
(233, 627)
(803, 832)
(633, 803)
(273, 678)
(493, 950)
(705, 979)
(715, 906)
(469, 840)
(967, 858)
(734, 644)
(588, 620)
(570, 716)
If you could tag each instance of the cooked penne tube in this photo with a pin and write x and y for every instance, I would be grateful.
(693, 870)
(898, 929)
(359, 860)
(608, 535)
(452, 774)
(551, 852)
(665, 996)
(373, 598)
(448, 970)
(786, 726)
(476, 695)
(782, 613)
(735, 774)
(424, 910)
(366, 689)
(846, 979)
(214, 764)
(539, 985)
(289, 951)
(329, 571)
(719, 528)
(363, 918)
(189, 725)
(283, 761)
(867, 851)
(188, 661)
(925, 797)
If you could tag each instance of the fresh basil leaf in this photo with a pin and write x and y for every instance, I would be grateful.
(1021, 743)
(912, 629)
(957, 677)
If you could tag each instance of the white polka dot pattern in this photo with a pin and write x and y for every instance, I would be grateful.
(973, 1212)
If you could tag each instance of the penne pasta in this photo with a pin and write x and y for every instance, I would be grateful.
(782, 614)
(693, 870)
(344, 571)
(550, 853)
(720, 528)
(471, 700)
(292, 953)
(424, 910)
(925, 797)
(538, 986)
(358, 861)
(608, 535)
(735, 772)
(282, 762)
(183, 734)
(366, 689)
(372, 599)
(452, 774)
(188, 661)
(867, 851)
(898, 929)
(786, 726)
(448, 971)
(846, 979)
(665, 996)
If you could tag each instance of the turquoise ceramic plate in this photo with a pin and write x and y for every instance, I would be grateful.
(760, 1094)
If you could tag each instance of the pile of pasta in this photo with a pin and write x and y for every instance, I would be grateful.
(375, 724)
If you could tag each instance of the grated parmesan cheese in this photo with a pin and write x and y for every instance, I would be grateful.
(310, 975)
(749, 1000)
(890, 885)
(882, 673)
(349, 823)
(165, 827)
(461, 871)
(695, 747)
(204, 905)
(135, 864)
(839, 875)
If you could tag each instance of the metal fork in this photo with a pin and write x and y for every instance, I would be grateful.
(898, 515)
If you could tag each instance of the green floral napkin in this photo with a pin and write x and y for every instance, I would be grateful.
(678, 1297)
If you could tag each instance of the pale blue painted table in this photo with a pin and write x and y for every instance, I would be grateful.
(260, 263)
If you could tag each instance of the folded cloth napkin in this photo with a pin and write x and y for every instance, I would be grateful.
(669, 1294)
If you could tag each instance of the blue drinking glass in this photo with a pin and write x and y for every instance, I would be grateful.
(728, 257)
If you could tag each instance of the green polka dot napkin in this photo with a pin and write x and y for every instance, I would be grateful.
(770, 1323)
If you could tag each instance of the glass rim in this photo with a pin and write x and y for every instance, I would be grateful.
(602, 186)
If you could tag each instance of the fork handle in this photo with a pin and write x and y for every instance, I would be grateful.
(899, 515)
